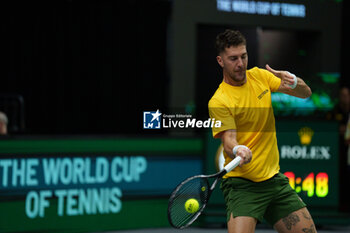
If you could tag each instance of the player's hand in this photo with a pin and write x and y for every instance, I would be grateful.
(286, 78)
(245, 154)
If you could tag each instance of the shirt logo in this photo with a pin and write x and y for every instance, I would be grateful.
(263, 93)
(151, 120)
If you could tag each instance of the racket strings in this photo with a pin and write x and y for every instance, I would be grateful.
(198, 189)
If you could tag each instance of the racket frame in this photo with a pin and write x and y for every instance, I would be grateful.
(199, 212)
(230, 166)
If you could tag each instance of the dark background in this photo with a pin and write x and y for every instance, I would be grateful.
(85, 67)
(91, 67)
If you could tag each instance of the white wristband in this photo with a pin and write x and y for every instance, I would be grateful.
(295, 80)
(236, 148)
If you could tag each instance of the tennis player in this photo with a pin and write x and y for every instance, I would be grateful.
(255, 190)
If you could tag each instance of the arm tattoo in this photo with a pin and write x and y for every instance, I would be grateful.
(291, 220)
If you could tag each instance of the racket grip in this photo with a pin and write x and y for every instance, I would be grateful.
(234, 163)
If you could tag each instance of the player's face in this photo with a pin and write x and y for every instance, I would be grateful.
(234, 61)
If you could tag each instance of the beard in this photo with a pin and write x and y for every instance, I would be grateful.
(238, 76)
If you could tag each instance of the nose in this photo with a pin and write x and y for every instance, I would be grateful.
(239, 62)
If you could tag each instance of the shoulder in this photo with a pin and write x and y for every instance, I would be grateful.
(265, 77)
(257, 75)
(258, 72)
(219, 98)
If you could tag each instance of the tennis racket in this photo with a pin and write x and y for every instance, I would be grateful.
(197, 188)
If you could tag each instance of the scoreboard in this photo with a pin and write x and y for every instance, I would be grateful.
(309, 158)
(321, 188)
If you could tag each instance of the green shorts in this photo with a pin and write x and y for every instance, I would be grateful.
(271, 200)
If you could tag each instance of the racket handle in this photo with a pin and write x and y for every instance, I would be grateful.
(234, 163)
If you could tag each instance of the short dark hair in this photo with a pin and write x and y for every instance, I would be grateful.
(229, 38)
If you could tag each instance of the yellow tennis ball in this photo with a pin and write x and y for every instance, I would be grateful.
(191, 205)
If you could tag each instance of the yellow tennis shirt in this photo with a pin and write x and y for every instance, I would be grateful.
(248, 110)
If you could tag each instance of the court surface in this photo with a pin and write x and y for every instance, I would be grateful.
(202, 230)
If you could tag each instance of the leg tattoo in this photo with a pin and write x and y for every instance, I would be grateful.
(311, 229)
(291, 220)
(306, 215)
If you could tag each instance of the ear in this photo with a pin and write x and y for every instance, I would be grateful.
(220, 61)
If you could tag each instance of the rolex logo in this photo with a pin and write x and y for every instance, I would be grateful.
(305, 135)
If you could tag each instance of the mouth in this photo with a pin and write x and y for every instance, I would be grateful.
(239, 75)
(239, 71)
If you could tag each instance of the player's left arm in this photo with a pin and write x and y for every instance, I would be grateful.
(301, 90)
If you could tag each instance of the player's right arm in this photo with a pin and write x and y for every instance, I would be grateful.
(227, 132)
(229, 141)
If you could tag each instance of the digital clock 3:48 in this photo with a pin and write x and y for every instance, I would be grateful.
(309, 184)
